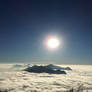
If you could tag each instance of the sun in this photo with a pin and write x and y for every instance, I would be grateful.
(52, 42)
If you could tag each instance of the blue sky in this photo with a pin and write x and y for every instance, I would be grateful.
(25, 24)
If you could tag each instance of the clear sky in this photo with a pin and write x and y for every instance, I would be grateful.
(24, 24)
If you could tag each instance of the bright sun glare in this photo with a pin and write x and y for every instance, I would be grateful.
(53, 42)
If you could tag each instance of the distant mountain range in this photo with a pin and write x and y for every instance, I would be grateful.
(51, 69)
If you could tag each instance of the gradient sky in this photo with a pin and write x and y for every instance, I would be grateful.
(24, 24)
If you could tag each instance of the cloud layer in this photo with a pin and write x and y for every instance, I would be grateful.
(22, 81)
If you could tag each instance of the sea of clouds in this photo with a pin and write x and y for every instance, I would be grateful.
(14, 79)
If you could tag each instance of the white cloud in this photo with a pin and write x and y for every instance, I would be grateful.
(22, 81)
